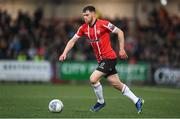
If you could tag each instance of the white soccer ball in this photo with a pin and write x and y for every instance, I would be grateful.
(55, 105)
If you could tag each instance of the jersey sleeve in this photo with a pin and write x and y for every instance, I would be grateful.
(109, 26)
(80, 32)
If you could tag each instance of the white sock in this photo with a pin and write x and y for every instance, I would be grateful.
(99, 92)
(127, 92)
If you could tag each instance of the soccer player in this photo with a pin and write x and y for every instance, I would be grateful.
(98, 32)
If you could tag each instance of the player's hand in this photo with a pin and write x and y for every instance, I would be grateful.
(62, 57)
(122, 54)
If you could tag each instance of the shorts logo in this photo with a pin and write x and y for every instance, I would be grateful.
(102, 65)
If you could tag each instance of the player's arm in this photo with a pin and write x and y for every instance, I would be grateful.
(112, 28)
(120, 33)
(68, 47)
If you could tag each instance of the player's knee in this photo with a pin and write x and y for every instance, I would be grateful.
(93, 80)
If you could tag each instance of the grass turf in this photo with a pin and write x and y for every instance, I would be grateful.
(31, 101)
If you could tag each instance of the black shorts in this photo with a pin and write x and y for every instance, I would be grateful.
(107, 66)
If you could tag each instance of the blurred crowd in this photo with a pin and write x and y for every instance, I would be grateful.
(33, 37)
(159, 40)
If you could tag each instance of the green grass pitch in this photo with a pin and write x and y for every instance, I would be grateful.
(31, 101)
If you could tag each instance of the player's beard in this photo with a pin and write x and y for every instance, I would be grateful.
(89, 21)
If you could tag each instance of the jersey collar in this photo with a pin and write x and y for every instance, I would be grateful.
(93, 24)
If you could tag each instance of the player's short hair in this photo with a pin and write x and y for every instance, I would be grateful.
(89, 8)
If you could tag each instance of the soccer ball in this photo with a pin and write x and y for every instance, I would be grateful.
(55, 105)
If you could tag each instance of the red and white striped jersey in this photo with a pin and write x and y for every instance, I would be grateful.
(99, 38)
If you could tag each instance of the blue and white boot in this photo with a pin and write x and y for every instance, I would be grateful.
(97, 107)
(139, 105)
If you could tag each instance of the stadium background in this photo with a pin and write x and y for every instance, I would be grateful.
(34, 33)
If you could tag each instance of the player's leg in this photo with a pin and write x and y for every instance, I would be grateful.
(116, 83)
(95, 82)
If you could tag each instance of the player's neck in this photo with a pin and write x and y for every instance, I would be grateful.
(93, 22)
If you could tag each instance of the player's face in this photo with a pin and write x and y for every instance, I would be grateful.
(88, 16)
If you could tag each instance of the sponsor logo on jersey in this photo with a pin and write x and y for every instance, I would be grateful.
(97, 40)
